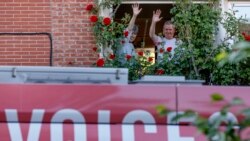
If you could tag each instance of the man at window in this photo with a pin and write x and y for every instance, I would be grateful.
(167, 43)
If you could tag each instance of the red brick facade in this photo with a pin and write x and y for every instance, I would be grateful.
(27, 25)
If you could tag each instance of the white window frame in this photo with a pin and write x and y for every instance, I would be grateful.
(155, 2)
(239, 3)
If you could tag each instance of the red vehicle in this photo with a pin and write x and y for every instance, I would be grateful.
(104, 112)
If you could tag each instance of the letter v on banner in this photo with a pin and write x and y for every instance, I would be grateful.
(14, 126)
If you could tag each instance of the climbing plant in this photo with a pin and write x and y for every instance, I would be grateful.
(195, 57)
(197, 26)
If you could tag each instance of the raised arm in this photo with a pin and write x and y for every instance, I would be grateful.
(156, 18)
(136, 12)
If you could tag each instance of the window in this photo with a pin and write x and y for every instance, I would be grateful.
(243, 10)
(143, 41)
(144, 20)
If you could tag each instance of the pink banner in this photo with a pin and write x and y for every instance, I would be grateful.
(199, 99)
(90, 103)
(66, 112)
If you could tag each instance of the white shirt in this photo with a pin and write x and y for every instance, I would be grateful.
(163, 43)
(127, 47)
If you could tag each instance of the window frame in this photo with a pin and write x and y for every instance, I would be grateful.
(231, 5)
(156, 2)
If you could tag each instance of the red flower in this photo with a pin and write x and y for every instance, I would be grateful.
(128, 57)
(89, 7)
(169, 49)
(247, 38)
(93, 18)
(100, 62)
(161, 50)
(159, 71)
(112, 56)
(70, 63)
(244, 34)
(150, 59)
(94, 49)
(140, 53)
(106, 21)
(126, 33)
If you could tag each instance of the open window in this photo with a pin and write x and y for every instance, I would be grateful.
(144, 20)
(143, 41)
(243, 10)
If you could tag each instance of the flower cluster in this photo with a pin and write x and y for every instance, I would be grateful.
(165, 53)
(94, 17)
(146, 56)
(160, 71)
(110, 35)
(164, 50)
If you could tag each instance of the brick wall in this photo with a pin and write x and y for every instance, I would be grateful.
(70, 27)
(65, 20)
(25, 50)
